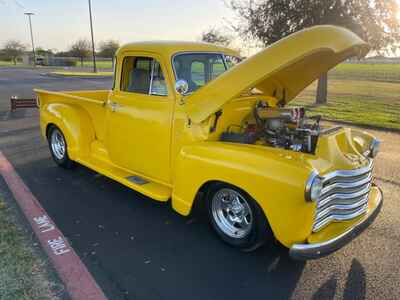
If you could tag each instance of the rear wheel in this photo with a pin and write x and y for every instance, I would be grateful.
(237, 218)
(58, 148)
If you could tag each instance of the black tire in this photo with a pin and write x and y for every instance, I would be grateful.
(55, 136)
(253, 237)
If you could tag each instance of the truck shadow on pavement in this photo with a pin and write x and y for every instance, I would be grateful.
(356, 282)
(137, 248)
(355, 287)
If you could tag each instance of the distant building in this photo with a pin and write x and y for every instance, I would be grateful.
(41, 60)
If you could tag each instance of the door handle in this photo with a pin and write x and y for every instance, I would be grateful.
(114, 106)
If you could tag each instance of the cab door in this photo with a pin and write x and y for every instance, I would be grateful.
(139, 117)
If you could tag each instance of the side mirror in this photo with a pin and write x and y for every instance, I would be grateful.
(181, 86)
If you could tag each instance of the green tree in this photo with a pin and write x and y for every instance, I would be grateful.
(43, 52)
(81, 48)
(215, 36)
(13, 50)
(270, 20)
(108, 49)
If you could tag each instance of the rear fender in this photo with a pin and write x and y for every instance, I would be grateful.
(75, 124)
(274, 179)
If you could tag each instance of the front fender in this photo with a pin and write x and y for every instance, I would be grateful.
(75, 124)
(275, 178)
(361, 139)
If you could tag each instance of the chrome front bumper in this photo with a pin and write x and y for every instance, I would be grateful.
(318, 250)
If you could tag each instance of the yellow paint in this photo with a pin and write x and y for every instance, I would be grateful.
(167, 139)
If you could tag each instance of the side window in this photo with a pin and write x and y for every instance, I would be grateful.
(217, 67)
(198, 68)
(198, 73)
(143, 75)
(232, 61)
(158, 84)
(143, 63)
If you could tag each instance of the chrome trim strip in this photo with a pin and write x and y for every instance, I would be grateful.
(349, 179)
(151, 76)
(343, 207)
(342, 202)
(344, 196)
(318, 250)
(339, 218)
(346, 185)
(349, 173)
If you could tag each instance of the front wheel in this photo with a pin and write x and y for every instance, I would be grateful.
(58, 148)
(237, 218)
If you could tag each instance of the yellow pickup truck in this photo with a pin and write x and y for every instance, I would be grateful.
(191, 122)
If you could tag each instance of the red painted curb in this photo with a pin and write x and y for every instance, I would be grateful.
(78, 281)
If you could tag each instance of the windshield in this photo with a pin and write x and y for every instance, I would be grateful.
(199, 68)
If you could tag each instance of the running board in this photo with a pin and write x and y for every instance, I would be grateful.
(137, 180)
(142, 185)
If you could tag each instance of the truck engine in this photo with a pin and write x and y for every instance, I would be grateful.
(287, 128)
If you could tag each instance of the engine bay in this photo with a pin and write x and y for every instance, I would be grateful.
(287, 128)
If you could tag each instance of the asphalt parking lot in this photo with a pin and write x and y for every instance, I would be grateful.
(137, 248)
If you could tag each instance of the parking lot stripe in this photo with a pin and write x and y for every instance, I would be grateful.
(78, 281)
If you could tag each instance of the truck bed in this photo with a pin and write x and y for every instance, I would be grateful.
(90, 102)
(99, 96)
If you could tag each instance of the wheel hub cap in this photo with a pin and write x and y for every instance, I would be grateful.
(232, 213)
(57, 144)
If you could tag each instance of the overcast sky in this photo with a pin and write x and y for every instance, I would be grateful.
(58, 23)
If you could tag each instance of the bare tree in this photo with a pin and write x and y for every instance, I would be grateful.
(81, 48)
(270, 20)
(13, 50)
(215, 36)
(108, 49)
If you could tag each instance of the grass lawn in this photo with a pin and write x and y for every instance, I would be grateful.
(371, 72)
(99, 64)
(6, 63)
(23, 274)
(9, 64)
(370, 103)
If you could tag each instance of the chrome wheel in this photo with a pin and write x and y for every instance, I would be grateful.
(232, 213)
(57, 143)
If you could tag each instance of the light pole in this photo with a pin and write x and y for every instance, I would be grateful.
(91, 31)
(29, 14)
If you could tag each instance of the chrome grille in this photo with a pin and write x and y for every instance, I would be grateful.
(344, 196)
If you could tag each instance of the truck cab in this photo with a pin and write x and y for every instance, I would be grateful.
(144, 101)
(191, 122)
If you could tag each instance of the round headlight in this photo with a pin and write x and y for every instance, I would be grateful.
(313, 187)
(374, 148)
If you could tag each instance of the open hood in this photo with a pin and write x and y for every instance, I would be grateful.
(282, 70)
